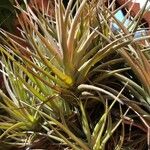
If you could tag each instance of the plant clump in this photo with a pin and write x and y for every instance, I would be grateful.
(73, 81)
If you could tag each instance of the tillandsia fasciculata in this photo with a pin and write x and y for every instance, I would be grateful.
(73, 79)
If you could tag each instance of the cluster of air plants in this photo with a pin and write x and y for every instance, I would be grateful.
(75, 81)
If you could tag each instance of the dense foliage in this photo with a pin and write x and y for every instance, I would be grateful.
(78, 78)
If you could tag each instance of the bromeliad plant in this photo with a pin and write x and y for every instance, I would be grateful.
(68, 75)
